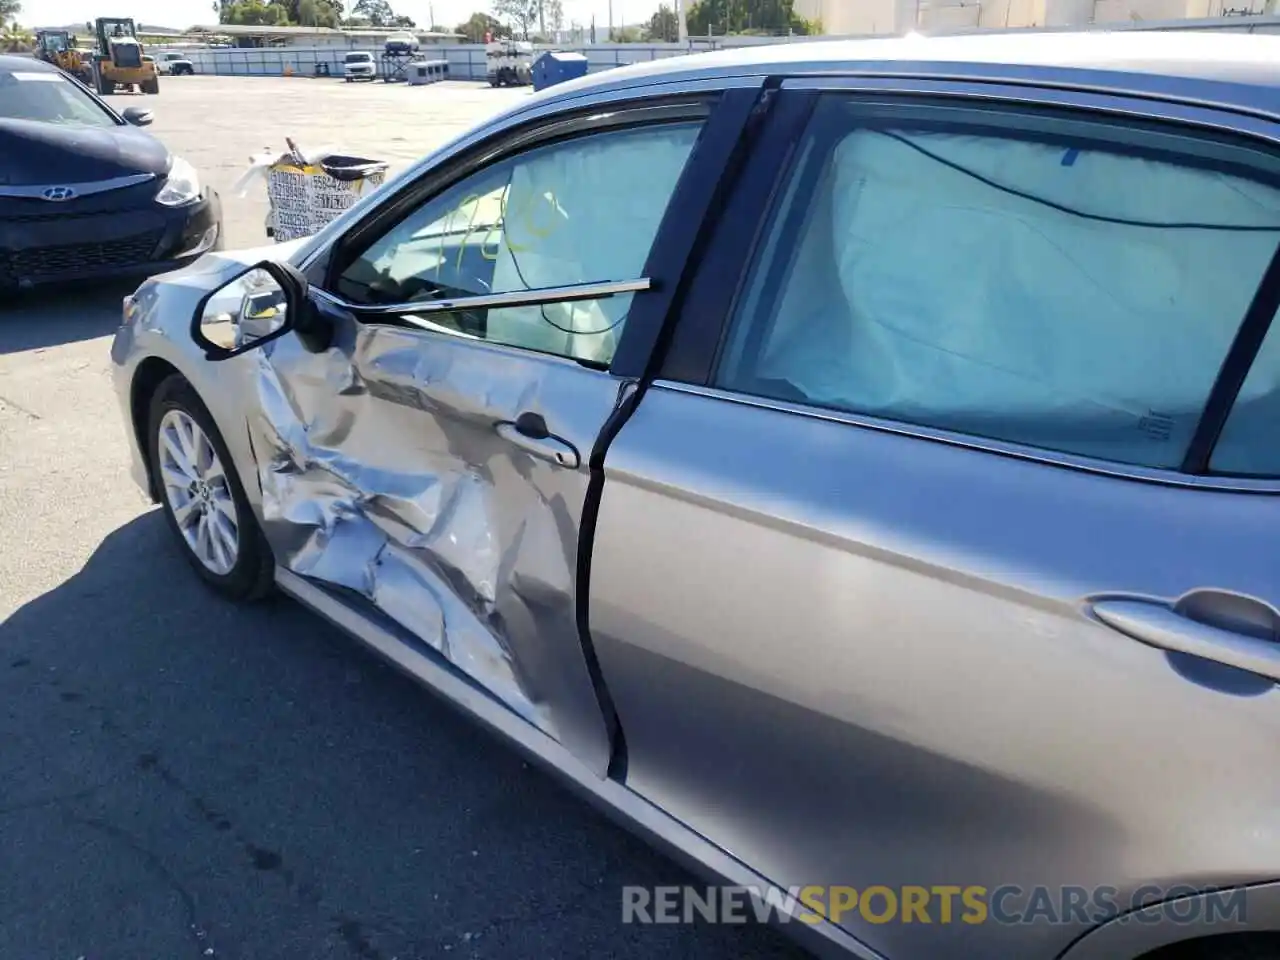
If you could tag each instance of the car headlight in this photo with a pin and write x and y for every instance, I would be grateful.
(181, 186)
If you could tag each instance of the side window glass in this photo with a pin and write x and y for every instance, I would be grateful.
(1063, 290)
(1250, 444)
(584, 210)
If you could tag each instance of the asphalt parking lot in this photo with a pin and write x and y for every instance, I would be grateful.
(183, 778)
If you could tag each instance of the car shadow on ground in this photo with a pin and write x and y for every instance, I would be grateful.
(48, 318)
(182, 776)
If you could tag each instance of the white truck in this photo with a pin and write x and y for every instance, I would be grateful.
(509, 63)
(175, 65)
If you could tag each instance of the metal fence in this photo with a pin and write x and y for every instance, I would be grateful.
(467, 61)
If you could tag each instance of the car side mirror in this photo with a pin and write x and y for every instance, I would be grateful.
(138, 116)
(259, 305)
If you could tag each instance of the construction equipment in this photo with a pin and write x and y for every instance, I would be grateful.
(118, 60)
(58, 47)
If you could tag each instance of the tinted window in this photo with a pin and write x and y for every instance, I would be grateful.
(580, 211)
(48, 97)
(1054, 283)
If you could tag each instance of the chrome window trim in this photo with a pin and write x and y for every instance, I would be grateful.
(82, 189)
(1037, 455)
(1141, 106)
(515, 298)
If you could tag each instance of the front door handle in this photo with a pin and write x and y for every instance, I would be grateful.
(529, 432)
(1165, 627)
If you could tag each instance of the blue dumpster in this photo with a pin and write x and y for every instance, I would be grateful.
(552, 68)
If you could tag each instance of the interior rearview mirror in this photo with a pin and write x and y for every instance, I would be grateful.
(249, 311)
(138, 116)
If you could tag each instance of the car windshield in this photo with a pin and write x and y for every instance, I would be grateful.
(358, 58)
(48, 97)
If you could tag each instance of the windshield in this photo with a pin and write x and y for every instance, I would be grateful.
(358, 58)
(49, 97)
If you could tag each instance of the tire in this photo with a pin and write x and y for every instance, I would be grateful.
(151, 86)
(240, 567)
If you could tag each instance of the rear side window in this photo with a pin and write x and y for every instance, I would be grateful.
(1249, 444)
(1052, 282)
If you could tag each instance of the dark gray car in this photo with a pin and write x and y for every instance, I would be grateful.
(854, 464)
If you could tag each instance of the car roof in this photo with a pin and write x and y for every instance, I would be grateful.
(1234, 70)
(10, 64)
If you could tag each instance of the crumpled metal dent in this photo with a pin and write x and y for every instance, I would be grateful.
(340, 506)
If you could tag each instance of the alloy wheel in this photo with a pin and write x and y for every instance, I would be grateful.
(198, 492)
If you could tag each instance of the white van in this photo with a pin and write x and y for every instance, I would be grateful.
(359, 65)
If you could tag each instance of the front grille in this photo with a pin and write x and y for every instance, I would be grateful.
(42, 263)
(33, 209)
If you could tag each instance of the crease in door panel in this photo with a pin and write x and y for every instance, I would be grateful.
(351, 498)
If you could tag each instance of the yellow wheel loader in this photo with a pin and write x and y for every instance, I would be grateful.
(58, 47)
(118, 61)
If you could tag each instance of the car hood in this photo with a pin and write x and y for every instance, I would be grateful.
(34, 153)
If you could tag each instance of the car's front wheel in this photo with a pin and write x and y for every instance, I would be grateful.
(203, 501)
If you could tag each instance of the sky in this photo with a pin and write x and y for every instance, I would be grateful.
(186, 13)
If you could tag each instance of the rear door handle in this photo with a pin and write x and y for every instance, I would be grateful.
(529, 432)
(1166, 628)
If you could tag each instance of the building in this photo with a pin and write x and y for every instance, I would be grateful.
(845, 18)
(861, 17)
(346, 38)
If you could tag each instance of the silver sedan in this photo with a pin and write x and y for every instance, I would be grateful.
(854, 464)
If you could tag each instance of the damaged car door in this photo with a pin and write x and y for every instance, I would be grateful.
(433, 460)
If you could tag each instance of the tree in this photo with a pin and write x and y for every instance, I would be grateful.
(258, 14)
(377, 12)
(14, 38)
(9, 10)
(664, 26)
(553, 12)
(478, 25)
(719, 17)
(522, 13)
(309, 13)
